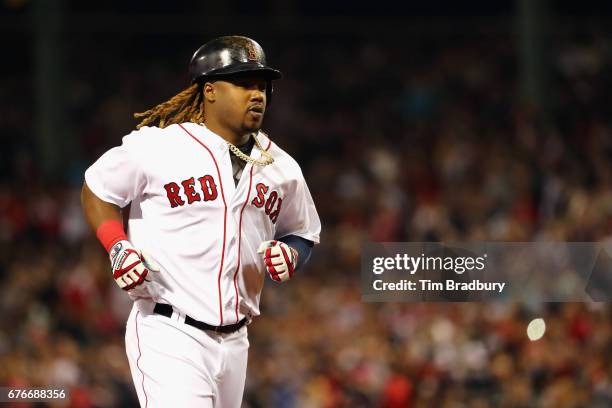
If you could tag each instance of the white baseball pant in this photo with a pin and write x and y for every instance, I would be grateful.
(177, 365)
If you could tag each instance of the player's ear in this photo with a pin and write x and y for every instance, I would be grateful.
(209, 91)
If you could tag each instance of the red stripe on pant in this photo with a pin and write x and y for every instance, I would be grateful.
(138, 359)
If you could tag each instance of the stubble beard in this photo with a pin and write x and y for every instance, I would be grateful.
(253, 126)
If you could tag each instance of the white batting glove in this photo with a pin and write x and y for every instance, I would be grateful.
(280, 259)
(150, 288)
(131, 268)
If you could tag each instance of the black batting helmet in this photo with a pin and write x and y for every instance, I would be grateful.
(231, 55)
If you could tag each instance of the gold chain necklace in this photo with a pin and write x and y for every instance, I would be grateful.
(267, 157)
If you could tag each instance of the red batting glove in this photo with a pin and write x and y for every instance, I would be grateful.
(280, 259)
(129, 269)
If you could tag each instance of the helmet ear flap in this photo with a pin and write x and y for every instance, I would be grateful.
(269, 92)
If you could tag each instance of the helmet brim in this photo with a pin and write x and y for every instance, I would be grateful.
(266, 72)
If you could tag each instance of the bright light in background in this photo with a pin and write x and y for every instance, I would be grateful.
(536, 329)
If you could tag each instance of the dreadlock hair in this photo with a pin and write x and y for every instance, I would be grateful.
(186, 106)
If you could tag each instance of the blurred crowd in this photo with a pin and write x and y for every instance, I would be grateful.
(409, 139)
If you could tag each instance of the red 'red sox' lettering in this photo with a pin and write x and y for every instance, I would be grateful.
(272, 203)
(274, 215)
(260, 200)
(172, 191)
(208, 190)
(190, 191)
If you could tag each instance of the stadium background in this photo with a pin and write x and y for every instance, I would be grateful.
(430, 121)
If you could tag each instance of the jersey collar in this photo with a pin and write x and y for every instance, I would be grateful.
(206, 135)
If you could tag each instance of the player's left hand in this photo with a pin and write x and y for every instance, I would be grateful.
(280, 259)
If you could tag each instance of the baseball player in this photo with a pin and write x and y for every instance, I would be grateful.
(214, 205)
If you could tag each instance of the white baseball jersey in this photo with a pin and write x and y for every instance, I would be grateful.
(201, 228)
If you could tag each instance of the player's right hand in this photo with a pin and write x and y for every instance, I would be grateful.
(130, 269)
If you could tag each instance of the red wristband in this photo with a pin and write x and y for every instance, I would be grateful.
(109, 233)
